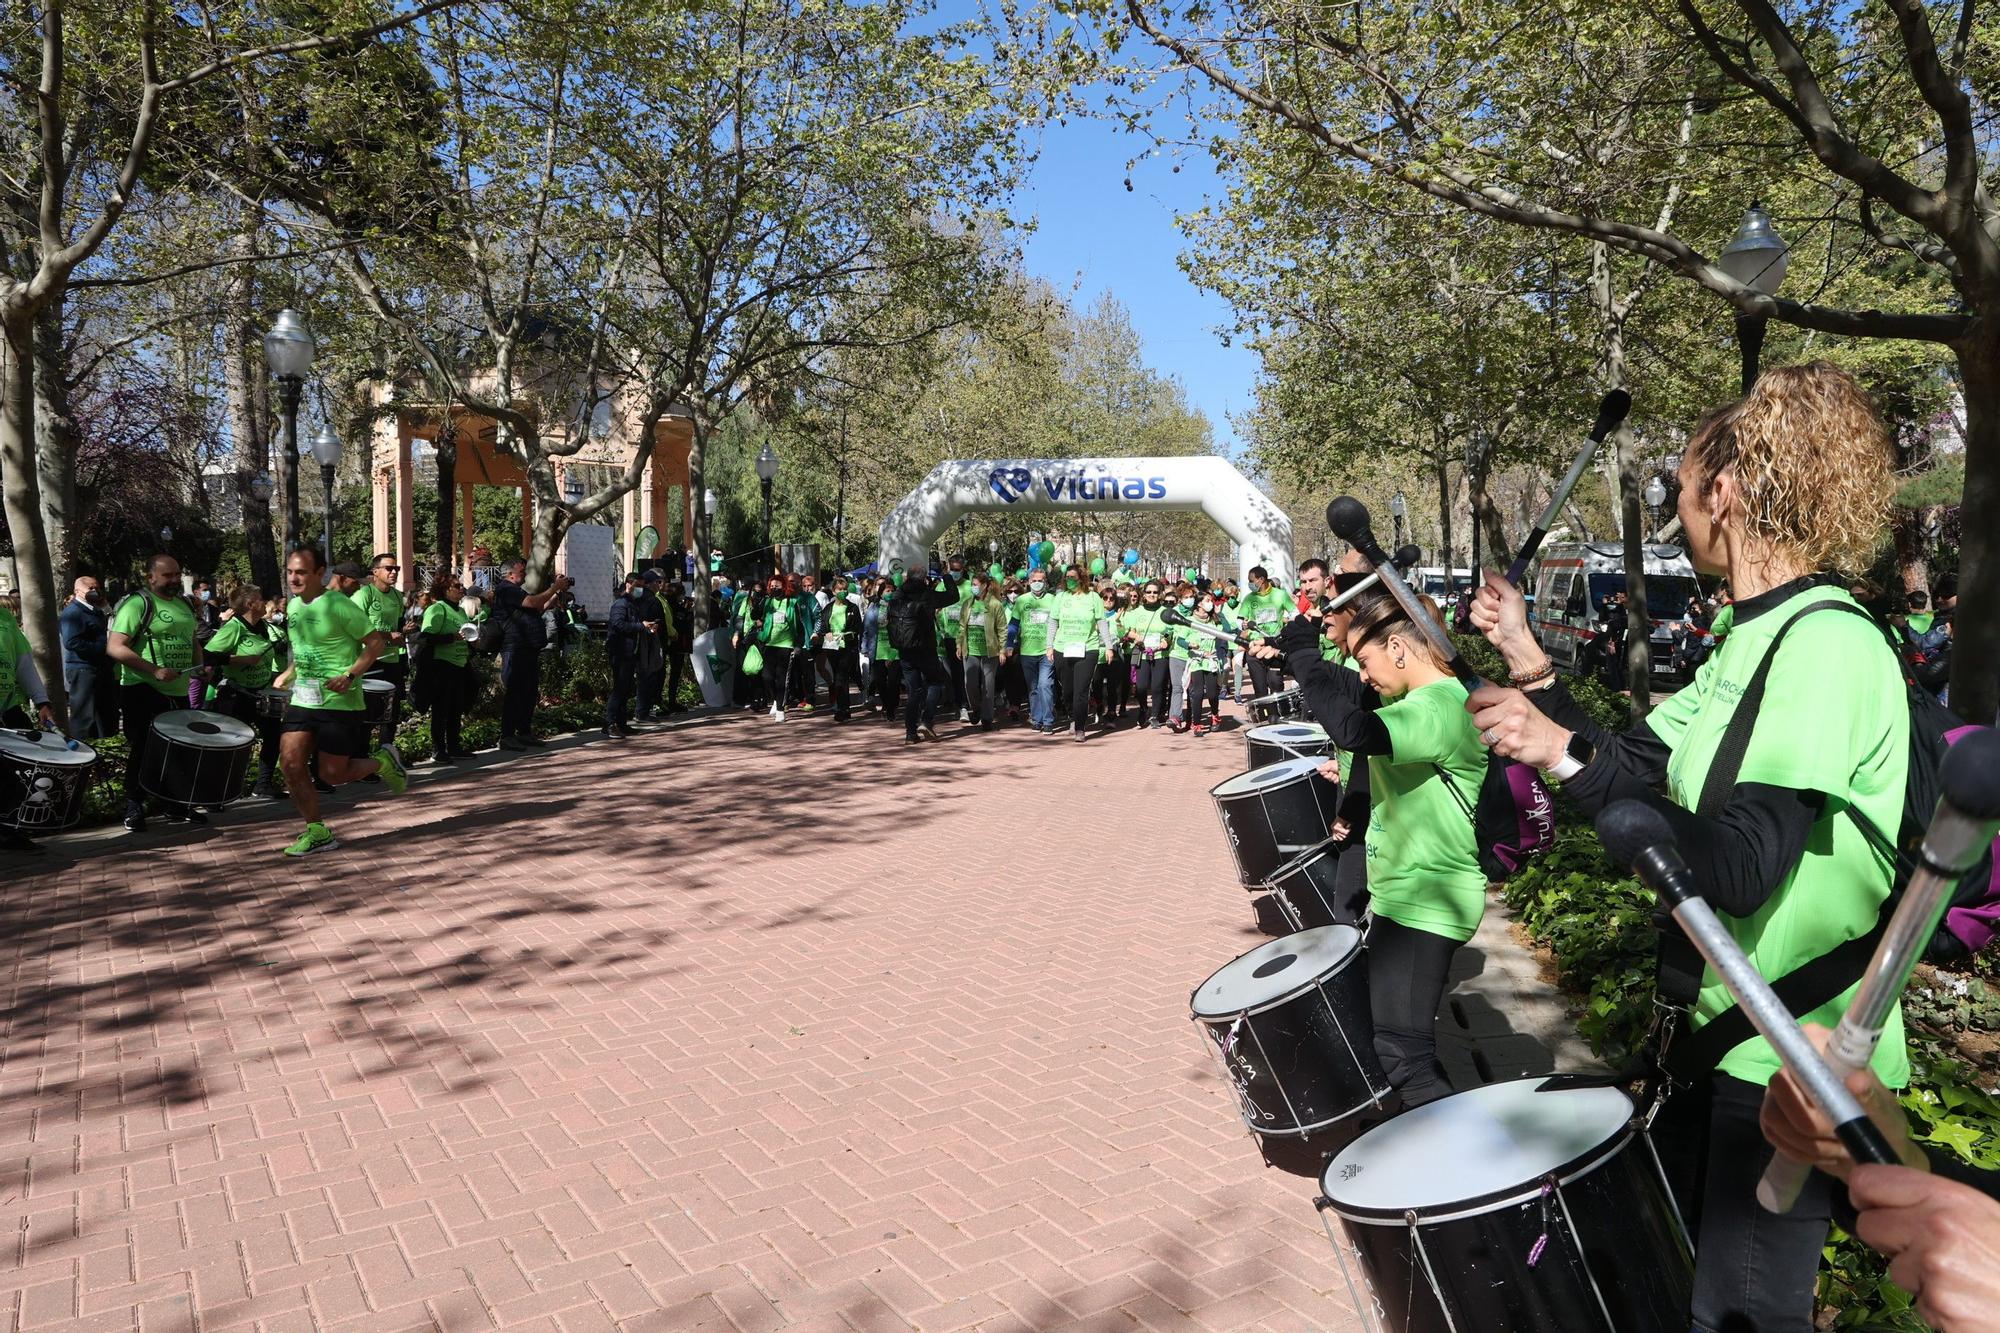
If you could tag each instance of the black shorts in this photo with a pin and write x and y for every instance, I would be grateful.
(341, 731)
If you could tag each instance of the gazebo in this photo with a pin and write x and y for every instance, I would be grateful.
(404, 428)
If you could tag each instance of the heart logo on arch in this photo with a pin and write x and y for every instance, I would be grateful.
(1009, 483)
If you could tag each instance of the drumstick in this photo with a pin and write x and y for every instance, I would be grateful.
(1636, 835)
(1348, 518)
(1968, 812)
(1173, 615)
(1610, 411)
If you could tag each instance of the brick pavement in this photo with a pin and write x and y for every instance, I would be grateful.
(738, 1027)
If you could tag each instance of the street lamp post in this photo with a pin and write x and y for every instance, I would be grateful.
(1399, 510)
(697, 560)
(1654, 495)
(288, 350)
(326, 448)
(767, 472)
(1756, 256)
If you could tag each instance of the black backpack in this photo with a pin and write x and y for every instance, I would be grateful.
(908, 617)
(1933, 728)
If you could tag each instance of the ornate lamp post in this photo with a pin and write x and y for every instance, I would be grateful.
(1399, 510)
(767, 472)
(1756, 256)
(288, 350)
(326, 448)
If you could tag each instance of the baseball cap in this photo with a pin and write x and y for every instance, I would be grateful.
(349, 569)
(650, 576)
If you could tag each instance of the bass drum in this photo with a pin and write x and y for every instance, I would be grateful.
(271, 703)
(1278, 706)
(1522, 1207)
(376, 696)
(1309, 892)
(1280, 741)
(1289, 1023)
(197, 758)
(43, 778)
(1271, 814)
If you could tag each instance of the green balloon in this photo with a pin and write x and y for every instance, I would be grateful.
(1192, 574)
(1097, 564)
(1021, 573)
(1048, 550)
(996, 571)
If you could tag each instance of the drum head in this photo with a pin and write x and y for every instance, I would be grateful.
(47, 748)
(1267, 777)
(1475, 1151)
(1273, 970)
(370, 685)
(1305, 858)
(204, 731)
(1291, 735)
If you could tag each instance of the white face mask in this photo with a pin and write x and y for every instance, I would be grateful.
(1013, 596)
(1187, 601)
(1036, 588)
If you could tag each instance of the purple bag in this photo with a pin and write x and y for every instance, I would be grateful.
(1515, 819)
(1973, 919)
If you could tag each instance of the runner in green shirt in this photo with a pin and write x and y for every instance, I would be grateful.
(1147, 640)
(1075, 650)
(885, 664)
(382, 602)
(1034, 613)
(1776, 492)
(333, 646)
(152, 639)
(1262, 612)
(982, 620)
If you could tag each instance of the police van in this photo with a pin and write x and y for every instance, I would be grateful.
(1575, 581)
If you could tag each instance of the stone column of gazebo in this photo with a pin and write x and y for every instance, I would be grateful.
(661, 499)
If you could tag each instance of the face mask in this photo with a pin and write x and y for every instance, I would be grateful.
(1036, 588)
(1013, 596)
(897, 578)
(93, 596)
(277, 617)
(1187, 602)
(1069, 583)
(203, 594)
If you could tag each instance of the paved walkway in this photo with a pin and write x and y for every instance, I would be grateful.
(738, 1027)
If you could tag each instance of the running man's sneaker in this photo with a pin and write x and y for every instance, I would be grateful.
(316, 838)
(394, 777)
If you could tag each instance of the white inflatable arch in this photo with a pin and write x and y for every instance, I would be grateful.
(1063, 485)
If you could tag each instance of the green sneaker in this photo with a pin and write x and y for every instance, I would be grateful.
(393, 775)
(316, 838)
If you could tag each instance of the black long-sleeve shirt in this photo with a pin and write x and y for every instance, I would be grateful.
(1341, 702)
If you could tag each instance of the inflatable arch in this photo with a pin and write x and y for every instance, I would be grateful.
(1061, 485)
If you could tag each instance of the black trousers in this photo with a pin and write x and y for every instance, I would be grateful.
(1014, 682)
(886, 684)
(520, 685)
(1203, 687)
(749, 690)
(1754, 1272)
(1406, 976)
(447, 686)
(93, 708)
(954, 666)
(1156, 688)
(929, 684)
(138, 705)
(799, 678)
(624, 678)
(840, 664)
(397, 673)
(1114, 685)
(677, 664)
(242, 705)
(1076, 672)
(1265, 677)
(777, 675)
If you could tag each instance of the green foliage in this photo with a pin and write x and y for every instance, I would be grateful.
(1941, 485)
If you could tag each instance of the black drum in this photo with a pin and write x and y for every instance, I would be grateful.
(43, 778)
(1522, 1207)
(1279, 706)
(376, 696)
(197, 758)
(1308, 894)
(271, 703)
(1271, 814)
(1289, 1022)
(1284, 740)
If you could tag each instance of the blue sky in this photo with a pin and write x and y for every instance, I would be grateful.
(1095, 236)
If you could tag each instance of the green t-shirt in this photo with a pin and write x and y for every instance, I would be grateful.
(980, 617)
(840, 624)
(326, 635)
(1076, 615)
(1264, 612)
(884, 650)
(385, 612)
(168, 640)
(1177, 638)
(1423, 861)
(1036, 617)
(444, 618)
(779, 619)
(13, 646)
(1834, 720)
(1202, 651)
(1154, 633)
(238, 639)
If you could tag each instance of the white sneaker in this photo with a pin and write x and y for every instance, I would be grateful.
(773, 711)
(779, 714)
(965, 715)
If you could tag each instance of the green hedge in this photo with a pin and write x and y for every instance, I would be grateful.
(1597, 925)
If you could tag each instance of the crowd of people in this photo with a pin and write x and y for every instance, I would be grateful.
(1061, 649)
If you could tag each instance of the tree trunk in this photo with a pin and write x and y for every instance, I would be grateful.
(551, 523)
(447, 487)
(697, 486)
(1625, 487)
(55, 444)
(1975, 666)
(1444, 519)
(242, 377)
(1912, 559)
(33, 569)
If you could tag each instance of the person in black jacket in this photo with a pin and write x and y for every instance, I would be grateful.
(622, 631)
(912, 628)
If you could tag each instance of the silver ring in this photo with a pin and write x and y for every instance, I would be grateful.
(1486, 738)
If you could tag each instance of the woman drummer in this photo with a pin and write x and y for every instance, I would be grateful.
(445, 683)
(1403, 713)
(1780, 492)
(246, 647)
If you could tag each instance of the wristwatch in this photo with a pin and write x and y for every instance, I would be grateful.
(1576, 754)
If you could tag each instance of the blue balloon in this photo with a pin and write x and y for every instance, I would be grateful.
(1034, 555)
(1131, 555)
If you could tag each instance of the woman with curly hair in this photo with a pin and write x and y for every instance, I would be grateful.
(1787, 493)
